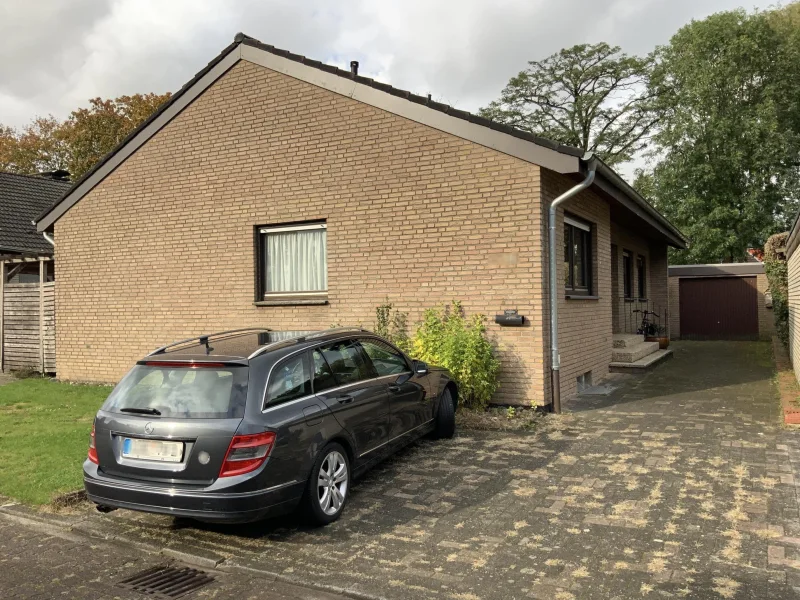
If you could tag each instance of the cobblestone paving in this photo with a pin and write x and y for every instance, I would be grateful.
(679, 484)
(41, 564)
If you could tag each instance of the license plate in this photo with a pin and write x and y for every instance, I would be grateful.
(152, 450)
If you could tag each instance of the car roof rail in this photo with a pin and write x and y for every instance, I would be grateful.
(325, 332)
(204, 339)
(307, 336)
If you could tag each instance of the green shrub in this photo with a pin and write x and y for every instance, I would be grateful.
(778, 277)
(446, 338)
(392, 325)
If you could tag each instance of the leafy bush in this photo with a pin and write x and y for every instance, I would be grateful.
(448, 339)
(392, 325)
(778, 276)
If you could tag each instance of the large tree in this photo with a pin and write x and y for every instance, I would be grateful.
(727, 147)
(77, 143)
(592, 96)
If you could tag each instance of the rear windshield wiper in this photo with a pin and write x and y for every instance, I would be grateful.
(141, 411)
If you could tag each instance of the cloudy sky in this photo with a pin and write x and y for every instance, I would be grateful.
(56, 54)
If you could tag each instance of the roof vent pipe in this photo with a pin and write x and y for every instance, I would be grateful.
(555, 358)
(353, 69)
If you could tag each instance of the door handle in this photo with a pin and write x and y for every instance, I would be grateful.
(345, 399)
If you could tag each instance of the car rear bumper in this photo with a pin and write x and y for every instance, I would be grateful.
(231, 507)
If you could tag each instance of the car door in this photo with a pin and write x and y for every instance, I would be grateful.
(343, 380)
(408, 400)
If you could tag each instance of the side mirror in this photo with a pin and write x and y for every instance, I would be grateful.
(420, 367)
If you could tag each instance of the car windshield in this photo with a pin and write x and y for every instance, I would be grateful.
(183, 392)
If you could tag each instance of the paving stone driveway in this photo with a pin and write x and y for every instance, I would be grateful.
(680, 484)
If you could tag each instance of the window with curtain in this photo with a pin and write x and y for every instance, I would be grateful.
(294, 260)
(577, 257)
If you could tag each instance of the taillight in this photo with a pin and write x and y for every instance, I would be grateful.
(93, 448)
(246, 453)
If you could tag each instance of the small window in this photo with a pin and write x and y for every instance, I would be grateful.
(346, 362)
(293, 260)
(577, 256)
(641, 275)
(385, 359)
(289, 381)
(627, 274)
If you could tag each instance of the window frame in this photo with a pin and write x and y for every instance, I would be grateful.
(361, 339)
(367, 363)
(266, 404)
(627, 274)
(571, 225)
(641, 275)
(260, 239)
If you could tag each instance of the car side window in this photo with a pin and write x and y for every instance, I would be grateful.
(385, 359)
(345, 361)
(323, 376)
(290, 380)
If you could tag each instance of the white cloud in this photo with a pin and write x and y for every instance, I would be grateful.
(56, 54)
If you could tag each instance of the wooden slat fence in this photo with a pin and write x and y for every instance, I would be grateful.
(28, 326)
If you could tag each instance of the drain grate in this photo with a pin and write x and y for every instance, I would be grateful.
(167, 581)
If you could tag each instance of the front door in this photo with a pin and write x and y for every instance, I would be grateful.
(344, 382)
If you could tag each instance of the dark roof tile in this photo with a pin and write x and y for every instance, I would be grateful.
(22, 198)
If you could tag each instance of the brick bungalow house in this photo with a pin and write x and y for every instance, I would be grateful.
(278, 191)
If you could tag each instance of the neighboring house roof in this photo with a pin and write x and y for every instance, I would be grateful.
(22, 198)
(716, 270)
(422, 109)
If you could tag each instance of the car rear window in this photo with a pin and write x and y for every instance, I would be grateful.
(183, 391)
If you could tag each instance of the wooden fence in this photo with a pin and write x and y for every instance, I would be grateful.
(27, 326)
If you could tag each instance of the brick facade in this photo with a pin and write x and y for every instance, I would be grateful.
(584, 325)
(163, 248)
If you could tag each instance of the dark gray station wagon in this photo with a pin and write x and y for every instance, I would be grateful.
(237, 426)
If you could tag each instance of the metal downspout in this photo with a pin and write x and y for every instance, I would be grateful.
(555, 358)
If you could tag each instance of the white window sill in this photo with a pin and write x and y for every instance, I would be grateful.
(289, 300)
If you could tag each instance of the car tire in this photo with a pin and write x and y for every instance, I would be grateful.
(323, 506)
(446, 416)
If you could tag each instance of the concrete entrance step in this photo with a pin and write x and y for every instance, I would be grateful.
(631, 354)
(626, 340)
(642, 364)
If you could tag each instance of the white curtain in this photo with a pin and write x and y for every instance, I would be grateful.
(297, 261)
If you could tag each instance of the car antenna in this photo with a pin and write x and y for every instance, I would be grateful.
(204, 340)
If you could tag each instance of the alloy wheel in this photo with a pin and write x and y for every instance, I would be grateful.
(332, 483)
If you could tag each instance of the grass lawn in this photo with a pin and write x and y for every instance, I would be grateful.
(44, 435)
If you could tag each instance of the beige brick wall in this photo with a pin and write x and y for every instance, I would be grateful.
(584, 325)
(794, 311)
(766, 319)
(163, 248)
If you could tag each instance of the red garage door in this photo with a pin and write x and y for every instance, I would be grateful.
(719, 308)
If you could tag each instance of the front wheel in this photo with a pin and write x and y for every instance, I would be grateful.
(446, 416)
(328, 485)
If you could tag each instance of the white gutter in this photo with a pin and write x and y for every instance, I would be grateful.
(555, 358)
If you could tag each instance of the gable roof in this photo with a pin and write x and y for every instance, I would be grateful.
(22, 198)
(422, 109)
